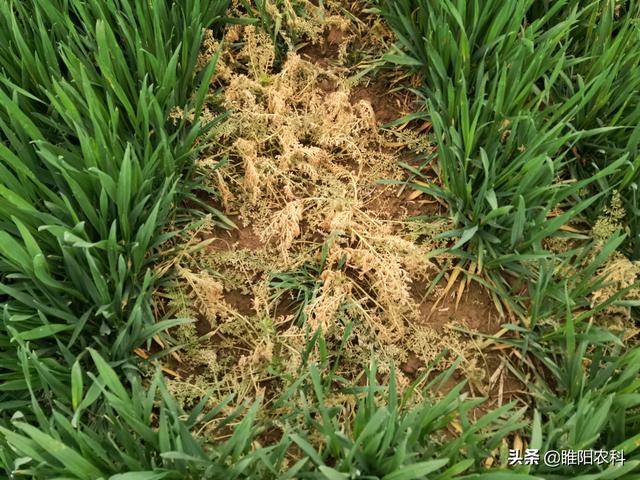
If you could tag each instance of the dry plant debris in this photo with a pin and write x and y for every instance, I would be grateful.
(301, 153)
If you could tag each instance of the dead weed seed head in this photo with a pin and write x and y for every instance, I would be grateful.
(262, 352)
(241, 95)
(205, 292)
(413, 140)
(426, 234)
(209, 48)
(389, 284)
(261, 298)
(618, 273)
(427, 344)
(239, 267)
(296, 82)
(280, 168)
(413, 257)
(251, 181)
(258, 52)
(188, 392)
(339, 212)
(226, 195)
(334, 292)
(294, 342)
(238, 362)
(611, 219)
(340, 124)
(285, 227)
(558, 244)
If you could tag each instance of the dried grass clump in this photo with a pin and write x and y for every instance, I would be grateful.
(294, 136)
(241, 357)
(618, 272)
(285, 226)
(370, 267)
(205, 292)
(303, 161)
(335, 292)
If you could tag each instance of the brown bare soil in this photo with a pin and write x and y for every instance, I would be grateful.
(242, 237)
(392, 202)
(327, 49)
(387, 105)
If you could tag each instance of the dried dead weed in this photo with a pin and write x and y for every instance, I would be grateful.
(297, 163)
